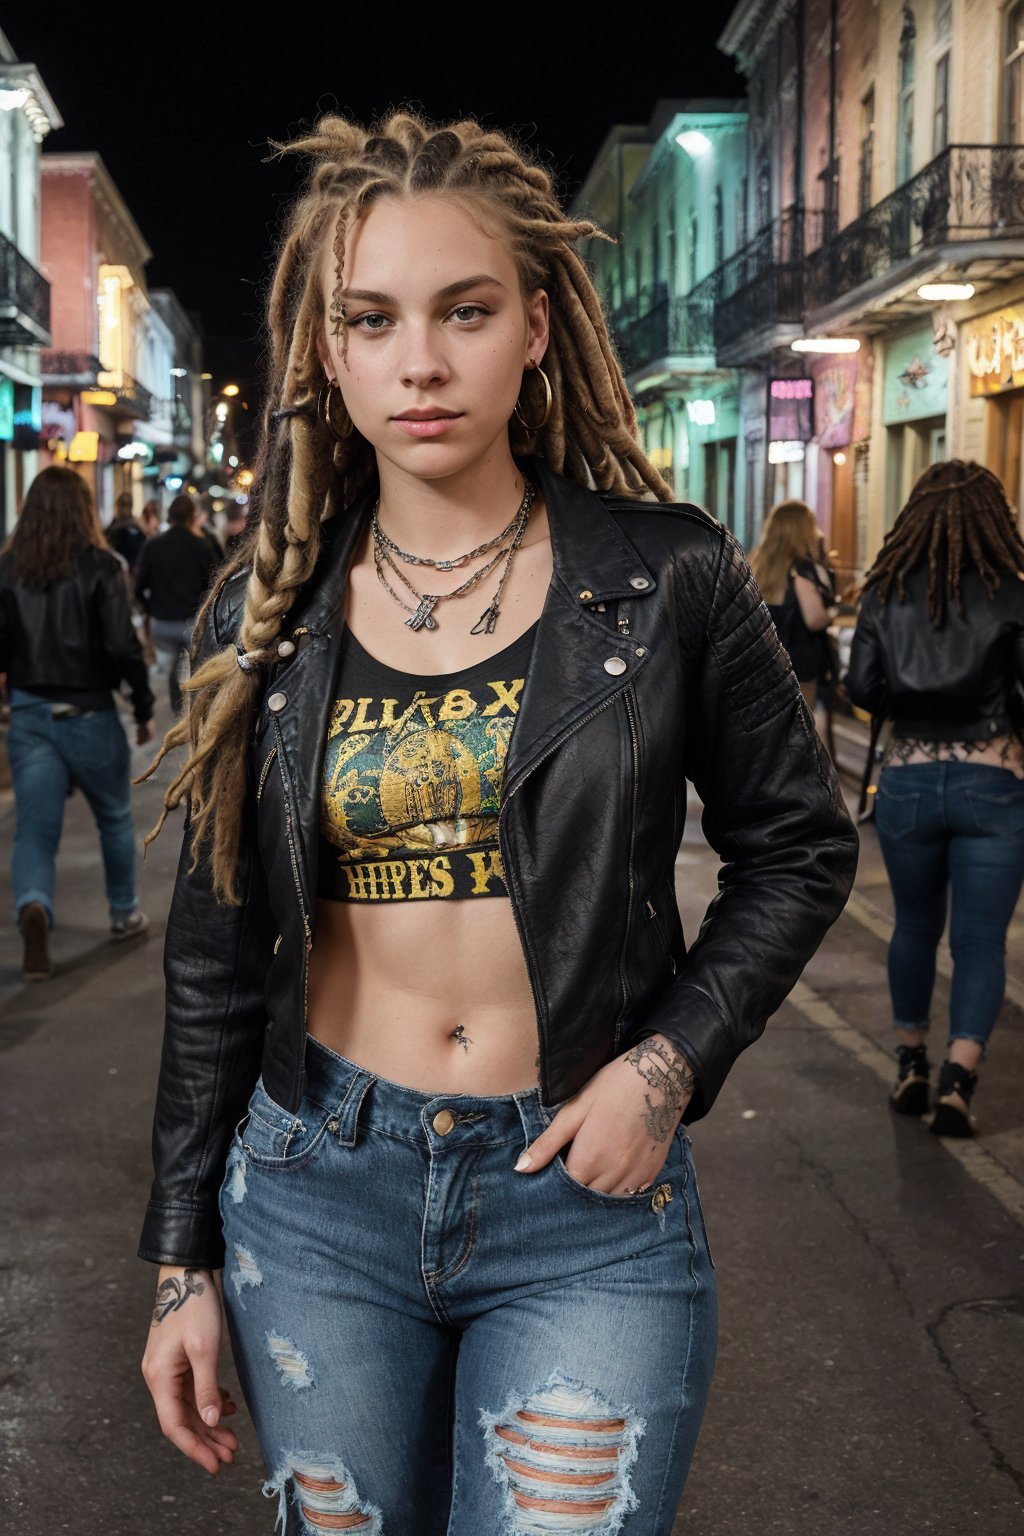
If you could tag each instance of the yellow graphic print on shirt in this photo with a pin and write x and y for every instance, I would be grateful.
(411, 793)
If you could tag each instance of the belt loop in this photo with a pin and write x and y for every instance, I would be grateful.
(347, 1115)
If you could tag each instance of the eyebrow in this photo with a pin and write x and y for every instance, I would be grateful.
(450, 291)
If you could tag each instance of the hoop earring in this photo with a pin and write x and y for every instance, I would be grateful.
(548, 402)
(323, 407)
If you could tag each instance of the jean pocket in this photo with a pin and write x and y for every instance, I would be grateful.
(674, 1159)
(895, 813)
(274, 1139)
(997, 812)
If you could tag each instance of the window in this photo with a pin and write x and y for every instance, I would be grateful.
(867, 149)
(719, 227)
(940, 124)
(1013, 83)
(905, 113)
(741, 214)
(691, 249)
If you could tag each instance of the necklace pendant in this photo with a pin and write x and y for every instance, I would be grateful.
(486, 622)
(422, 618)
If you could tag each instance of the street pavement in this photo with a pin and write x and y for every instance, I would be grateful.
(871, 1354)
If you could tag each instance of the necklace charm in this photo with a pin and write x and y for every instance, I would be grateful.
(421, 619)
(488, 619)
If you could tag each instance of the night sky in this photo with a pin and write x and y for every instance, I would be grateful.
(181, 104)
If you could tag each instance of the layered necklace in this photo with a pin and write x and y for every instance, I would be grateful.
(386, 555)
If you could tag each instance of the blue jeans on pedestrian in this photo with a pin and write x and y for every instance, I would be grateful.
(49, 756)
(174, 638)
(431, 1343)
(951, 830)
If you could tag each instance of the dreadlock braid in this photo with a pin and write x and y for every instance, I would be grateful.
(303, 475)
(957, 514)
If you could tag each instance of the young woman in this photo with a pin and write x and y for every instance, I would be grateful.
(438, 741)
(797, 588)
(950, 804)
(66, 642)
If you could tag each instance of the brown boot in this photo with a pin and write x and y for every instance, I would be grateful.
(35, 934)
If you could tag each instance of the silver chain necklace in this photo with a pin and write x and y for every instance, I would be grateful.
(422, 616)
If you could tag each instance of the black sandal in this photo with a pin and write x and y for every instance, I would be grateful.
(950, 1119)
(910, 1095)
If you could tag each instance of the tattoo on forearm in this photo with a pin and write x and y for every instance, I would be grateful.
(172, 1293)
(669, 1077)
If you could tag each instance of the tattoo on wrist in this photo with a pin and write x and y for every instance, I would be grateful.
(172, 1293)
(671, 1080)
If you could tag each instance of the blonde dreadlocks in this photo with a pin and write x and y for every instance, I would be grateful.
(304, 475)
(957, 514)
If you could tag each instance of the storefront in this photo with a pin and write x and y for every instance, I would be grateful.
(842, 424)
(994, 353)
(914, 403)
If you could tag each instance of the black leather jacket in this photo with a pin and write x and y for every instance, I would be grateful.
(76, 634)
(654, 661)
(958, 682)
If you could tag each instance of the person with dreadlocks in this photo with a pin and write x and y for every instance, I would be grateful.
(939, 649)
(423, 949)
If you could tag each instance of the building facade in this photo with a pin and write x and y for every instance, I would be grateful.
(95, 403)
(886, 154)
(27, 115)
(652, 187)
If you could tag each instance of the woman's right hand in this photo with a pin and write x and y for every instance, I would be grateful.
(180, 1366)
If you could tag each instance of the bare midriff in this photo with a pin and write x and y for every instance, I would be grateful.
(391, 989)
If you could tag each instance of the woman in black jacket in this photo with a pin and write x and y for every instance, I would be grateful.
(66, 642)
(432, 900)
(939, 649)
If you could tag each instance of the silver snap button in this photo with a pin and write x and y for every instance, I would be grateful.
(286, 648)
(277, 702)
(639, 582)
(615, 665)
(641, 650)
(586, 595)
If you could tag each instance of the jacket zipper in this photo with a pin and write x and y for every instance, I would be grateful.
(290, 834)
(515, 895)
(635, 749)
(264, 771)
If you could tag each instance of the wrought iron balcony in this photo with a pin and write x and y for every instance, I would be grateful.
(81, 370)
(971, 192)
(24, 300)
(762, 286)
(665, 328)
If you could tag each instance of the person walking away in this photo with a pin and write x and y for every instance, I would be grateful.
(204, 526)
(797, 588)
(66, 642)
(939, 649)
(173, 576)
(125, 536)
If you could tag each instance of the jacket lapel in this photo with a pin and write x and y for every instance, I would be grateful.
(580, 661)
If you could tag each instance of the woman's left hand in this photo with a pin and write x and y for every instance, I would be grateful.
(621, 1123)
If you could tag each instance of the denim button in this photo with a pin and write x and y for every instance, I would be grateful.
(443, 1122)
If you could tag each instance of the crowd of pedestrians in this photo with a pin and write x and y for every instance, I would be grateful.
(70, 649)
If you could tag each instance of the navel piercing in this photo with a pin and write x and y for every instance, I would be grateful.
(459, 1034)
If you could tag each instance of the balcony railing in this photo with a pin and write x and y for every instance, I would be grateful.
(24, 300)
(763, 284)
(668, 327)
(969, 192)
(81, 370)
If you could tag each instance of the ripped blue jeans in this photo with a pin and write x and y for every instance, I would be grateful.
(429, 1342)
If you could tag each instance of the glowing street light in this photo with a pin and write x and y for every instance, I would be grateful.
(230, 389)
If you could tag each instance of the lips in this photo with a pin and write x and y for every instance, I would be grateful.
(426, 423)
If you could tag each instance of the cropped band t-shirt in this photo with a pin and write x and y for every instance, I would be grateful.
(412, 778)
